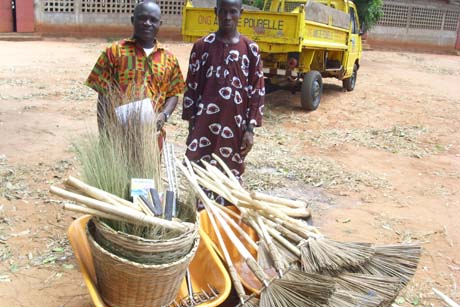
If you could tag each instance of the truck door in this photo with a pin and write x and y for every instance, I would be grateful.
(354, 42)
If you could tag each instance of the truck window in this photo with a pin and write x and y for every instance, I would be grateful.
(354, 24)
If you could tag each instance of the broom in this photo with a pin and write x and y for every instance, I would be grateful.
(318, 253)
(276, 292)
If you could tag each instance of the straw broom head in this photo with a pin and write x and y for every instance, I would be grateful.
(322, 254)
(398, 261)
(352, 299)
(383, 286)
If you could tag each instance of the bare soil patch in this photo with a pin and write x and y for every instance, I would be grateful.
(380, 164)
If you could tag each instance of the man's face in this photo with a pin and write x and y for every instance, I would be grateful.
(228, 13)
(146, 21)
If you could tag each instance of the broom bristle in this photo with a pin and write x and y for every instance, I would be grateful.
(398, 261)
(318, 255)
(343, 298)
(287, 256)
(263, 256)
(385, 287)
(288, 293)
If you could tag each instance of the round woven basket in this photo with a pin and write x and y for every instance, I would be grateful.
(124, 283)
(143, 250)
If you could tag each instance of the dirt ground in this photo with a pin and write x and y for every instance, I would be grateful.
(380, 164)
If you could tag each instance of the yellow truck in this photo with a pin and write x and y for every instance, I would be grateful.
(301, 41)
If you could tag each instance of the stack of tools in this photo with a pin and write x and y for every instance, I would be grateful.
(141, 248)
(296, 264)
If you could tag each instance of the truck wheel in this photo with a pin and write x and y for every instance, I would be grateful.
(349, 83)
(312, 88)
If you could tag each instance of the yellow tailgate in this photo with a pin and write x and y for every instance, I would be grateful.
(274, 32)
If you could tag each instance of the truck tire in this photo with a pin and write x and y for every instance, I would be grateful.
(349, 83)
(312, 88)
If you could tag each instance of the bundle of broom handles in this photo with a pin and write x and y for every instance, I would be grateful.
(299, 291)
(96, 202)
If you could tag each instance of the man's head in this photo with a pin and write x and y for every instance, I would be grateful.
(228, 13)
(146, 21)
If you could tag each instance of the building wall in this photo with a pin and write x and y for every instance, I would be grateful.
(6, 16)
(417, 24)
(97, 17)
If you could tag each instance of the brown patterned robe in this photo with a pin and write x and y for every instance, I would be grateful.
(225, 92)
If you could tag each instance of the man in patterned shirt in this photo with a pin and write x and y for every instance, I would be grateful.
(225, 92)
(138, 67)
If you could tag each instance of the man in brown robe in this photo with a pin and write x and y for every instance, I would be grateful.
(225, 93)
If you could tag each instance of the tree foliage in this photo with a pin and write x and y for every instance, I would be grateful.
(369, 11)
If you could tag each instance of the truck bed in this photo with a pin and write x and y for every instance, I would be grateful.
(275, 32)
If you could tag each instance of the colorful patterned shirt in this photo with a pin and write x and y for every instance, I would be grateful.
(125, 69)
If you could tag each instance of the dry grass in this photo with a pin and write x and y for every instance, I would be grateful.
(397, 140)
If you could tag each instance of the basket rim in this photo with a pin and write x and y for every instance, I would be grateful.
(140, 265)
(148, 241)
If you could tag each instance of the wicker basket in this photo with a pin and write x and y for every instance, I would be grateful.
(124, 283)
(142, 250)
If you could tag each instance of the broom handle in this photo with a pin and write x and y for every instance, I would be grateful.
(231, 268)
(237, 227)
(213, 186)
(445, 298)
(302, 233)
(219, 175)
(214, 183)
(128, 213)
(286, 243)
(278, 200)
(93, 212)
(291, 212)
(97, 193)
(274, 253)
(229, 212)
(255, 204)
(286, 232)
(227, 170)
(250, 261)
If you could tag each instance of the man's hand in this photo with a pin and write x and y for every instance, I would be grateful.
(161, 120)
(248, 142)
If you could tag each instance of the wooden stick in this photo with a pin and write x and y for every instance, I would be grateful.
(237, 227)
(278, 200)
(231, 268)
(130, 214)
(255, 204)
(227, 170)
(97, 193)
(243, 251)
(445, 298)
(93, 212)
(286, 243)
(272, 249)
